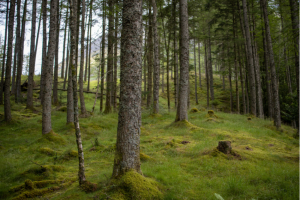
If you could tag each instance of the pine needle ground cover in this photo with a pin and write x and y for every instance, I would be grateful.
(182, 159)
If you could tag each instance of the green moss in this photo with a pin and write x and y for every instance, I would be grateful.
(68, 155)
(47, 151)
(184, 124)
(88, 187)
(44, 183)
(249, 118)
(133, 185)
(144, 157)
(52, 137)
(194, 110)
(211, 114)
(29, 185)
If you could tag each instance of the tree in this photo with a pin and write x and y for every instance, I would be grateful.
(48, 70)
(127, 156)
(184, 63)
(82, 103)
(32, 58)
(7, 111)
(156, 66)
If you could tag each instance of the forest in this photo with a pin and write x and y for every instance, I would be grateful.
(156, 99)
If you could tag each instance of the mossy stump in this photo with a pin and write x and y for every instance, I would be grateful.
(224, 147)
(249, 118)
(194, 110)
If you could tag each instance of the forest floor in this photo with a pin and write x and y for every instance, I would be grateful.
(182, 159)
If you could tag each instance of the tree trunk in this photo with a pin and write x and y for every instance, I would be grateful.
(229, 79)
(184, 63)
(168, 71)
(127, 156)
(110, 57)
(207, 77)
(242, 81)
(209, 67)
(64, 44)
(67, 63)
(55, 82)
(7, 111)
(150, 61)
(20, 56)
(102, 56)
(90, 45)
(195, 66)
(82, 104)
(156, 66)
(46, 115)
(32, 59)
(199, 60)
(250, 61)
(115, 59)
(87, 51)
(277, 119)
(145, 64)
(17, 44)
(175, 54)
(44, 51)
(4, 55)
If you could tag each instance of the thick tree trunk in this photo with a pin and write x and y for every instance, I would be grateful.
(18, 96)
(156, 66)
(46, 115)
(184, 63)
(110, 57)
(4, 55)
(32, 59)
(44, 51)
(150, 61)
(277, 119)
(64, 44)
(127, 156)
(55, 82)
(82, 104)
(102, 56)
(17, 44)
(7, 111)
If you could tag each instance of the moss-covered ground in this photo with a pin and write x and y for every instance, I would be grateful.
(180, 161)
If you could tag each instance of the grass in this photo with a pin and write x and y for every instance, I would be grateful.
(182, 159)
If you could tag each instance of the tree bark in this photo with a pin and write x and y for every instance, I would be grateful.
(55, 82)
(175, 54)
(195, 66)
(67, 63)
(235, 67)
(46, 115)
(17, 44)
(207, 77)
(127, 156)
(82, 103)
(102, 56)
(115, 60)
(90, 45)
(277, 119)
(150, 61)
(44, 51)
(7, 111)
(20, 57)
(156, 66)
(184, 63)
(199, 60)
(32, 59)
(209, 67)
(110, 57)
(87, 51)
(4, 55)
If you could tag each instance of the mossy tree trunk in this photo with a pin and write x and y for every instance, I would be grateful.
(184, 64)
(127, 155)
(7, 111)
(46, 115)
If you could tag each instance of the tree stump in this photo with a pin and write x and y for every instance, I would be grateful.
(224, 147)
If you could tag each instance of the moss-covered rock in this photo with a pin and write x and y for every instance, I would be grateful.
(211, 114)
(134, 186)
(52, 137)
(29, 185)
(88, 187)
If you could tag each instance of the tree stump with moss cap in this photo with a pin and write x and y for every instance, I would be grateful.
(224, 147)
